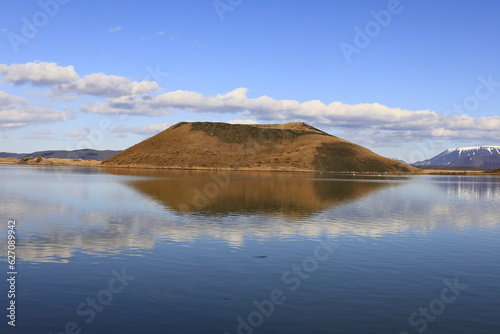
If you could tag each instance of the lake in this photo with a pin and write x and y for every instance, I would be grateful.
(146, 251)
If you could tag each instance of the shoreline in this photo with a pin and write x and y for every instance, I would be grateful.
(95, 163)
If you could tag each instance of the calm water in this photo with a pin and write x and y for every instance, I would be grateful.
(117, 251)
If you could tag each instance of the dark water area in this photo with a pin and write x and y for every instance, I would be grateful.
(147, 251)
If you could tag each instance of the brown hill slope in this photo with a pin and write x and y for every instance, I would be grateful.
(283, 147)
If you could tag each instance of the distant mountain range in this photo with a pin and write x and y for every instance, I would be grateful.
(85, 154)
(481, 157)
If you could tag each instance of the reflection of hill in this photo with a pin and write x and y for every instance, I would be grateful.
(101, 214)
(118, 225)
(211, 193)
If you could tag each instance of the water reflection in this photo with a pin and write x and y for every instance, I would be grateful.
(470, 187)
(198, 268)
(220, 193)
(101, 214)
(120, 210)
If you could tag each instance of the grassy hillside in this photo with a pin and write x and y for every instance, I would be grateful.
(278, 147)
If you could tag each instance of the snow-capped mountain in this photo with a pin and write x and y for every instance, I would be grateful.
(471, 157)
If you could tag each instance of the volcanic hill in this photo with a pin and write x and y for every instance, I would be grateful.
(275, 147)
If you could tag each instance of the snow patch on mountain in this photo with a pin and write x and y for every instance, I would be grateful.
(476, 156)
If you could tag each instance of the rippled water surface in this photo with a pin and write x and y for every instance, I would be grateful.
(143, 251)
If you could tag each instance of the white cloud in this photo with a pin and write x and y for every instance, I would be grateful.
(38, 73)
(366, 118)
(65, 80)
(102, 85)
(242, 121)
(146, 130)
(77, 133)
(65, 98)
(115, 29)
(40, 134)
(16, 112)
(372, 123)
(124, 107)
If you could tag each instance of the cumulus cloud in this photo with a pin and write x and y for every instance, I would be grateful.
(16, 112)
(65, 98)
(77, 133)
(65, 80)
(368, 123)
(43, 134)
(242, 121)
(374, 118)
(38, 74)
(125, 106)
(102, 85)
(146, 130)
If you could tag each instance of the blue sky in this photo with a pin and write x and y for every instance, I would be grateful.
(406, 79)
